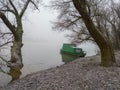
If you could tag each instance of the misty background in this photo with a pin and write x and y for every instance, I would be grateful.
(42, 44)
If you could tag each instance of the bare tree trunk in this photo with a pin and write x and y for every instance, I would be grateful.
(16, 13)
(107, 53)
(15, 74)
(16, 55)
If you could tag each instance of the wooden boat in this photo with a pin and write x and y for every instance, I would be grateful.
(73, 50)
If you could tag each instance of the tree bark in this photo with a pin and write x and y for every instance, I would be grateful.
(16, 54)
(107, 52)
(17, 30)
(15, 74)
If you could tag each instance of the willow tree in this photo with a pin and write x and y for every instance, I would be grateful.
(11, 13)
(106, 49)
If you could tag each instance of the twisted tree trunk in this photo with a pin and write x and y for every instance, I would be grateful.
(107, 53)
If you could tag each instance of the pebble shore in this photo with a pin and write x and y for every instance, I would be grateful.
(81, 74)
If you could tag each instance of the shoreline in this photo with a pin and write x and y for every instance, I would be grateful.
(81, 74)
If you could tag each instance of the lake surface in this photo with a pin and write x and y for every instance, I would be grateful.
(41, 56)
(38, 56)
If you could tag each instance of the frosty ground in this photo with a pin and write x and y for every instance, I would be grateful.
(81, 74)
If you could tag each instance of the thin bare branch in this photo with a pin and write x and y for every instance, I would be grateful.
(4, 59)
(13, 7)
(6, 43)
(8, 24)
(3, 34)
(24, 8)
(34, 5)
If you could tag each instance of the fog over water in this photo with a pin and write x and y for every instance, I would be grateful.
(42, 45)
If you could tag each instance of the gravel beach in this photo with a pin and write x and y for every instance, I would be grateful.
(81, 74)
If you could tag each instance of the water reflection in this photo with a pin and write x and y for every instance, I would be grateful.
(68, 58)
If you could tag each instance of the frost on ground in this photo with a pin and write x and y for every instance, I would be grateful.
(81, 74)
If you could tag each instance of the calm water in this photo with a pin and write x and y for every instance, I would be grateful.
(41, 56)
(38, 56)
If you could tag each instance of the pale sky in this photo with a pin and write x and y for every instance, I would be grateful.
(38, 27)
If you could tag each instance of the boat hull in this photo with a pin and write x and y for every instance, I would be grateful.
(73, 53)
(72, 50)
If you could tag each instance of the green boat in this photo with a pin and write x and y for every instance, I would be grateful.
(72, 50)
